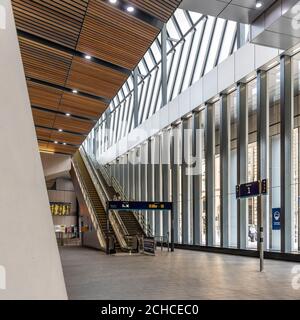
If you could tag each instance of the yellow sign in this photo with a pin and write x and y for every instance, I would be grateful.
(60, 209)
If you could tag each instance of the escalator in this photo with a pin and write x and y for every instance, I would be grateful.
(124, 225)
(95, 201)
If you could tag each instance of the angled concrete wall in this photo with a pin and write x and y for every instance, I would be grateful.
(55, 165)
(29, 257)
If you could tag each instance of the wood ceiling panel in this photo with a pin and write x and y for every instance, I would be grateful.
(43, 96)
(161, 9)
(56, 20)
(52, 147)
(74, 125)
(81, 106)
(44, 63)
(41, 118)
(94, 78)
(43, 134)
(115, 36)
(67, 137)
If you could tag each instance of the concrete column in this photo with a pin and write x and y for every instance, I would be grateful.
(225, 169)
(150, 173)
(210, 174)
(196, 178)
(165, 167)
(286, 144)
(263, 153)
(157, 183)
(174, 170)
(242, 163)
(186, 180)
(29, 261)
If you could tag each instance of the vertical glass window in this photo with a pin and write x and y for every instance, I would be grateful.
(217, 231)
(252, 161)
(296, 155)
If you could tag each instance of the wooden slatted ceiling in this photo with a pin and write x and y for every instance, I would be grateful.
(81, 106)
(114, 36)
(55, 99)
(93, 27)
(57, 20)
(43, 96)
(47, 134)
(74, 125)
(44, 63)
(161, 9)
(95, 79)
(51, 147)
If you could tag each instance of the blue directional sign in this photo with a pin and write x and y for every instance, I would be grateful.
(275, 218)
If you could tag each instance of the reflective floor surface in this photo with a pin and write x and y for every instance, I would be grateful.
(90, 274)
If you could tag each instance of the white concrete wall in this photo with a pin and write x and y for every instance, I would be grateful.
(55, 165)
(28, 249)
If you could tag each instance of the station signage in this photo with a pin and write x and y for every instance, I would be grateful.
(252, 189)
(139, 205)
(275, 218)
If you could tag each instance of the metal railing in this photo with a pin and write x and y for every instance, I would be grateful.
(91, 209)
(115, 220)
(112, 181)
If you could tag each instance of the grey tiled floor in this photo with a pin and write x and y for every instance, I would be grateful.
(90, 274)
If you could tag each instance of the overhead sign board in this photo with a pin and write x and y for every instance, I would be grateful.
(252, 189)
(139, 205)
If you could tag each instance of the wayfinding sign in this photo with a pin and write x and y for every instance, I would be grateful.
(275, 218)
(252, 189)
(139, 205)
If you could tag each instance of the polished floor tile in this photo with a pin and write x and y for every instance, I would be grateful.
(90, 274)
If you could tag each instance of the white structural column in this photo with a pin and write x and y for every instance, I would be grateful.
(242, 163)
(210, 174)
(286, 143)
(197, 180)
(225, 169)
(29, 259)
(157, 183)
(165, 169)
(150, 183)
(174, 177)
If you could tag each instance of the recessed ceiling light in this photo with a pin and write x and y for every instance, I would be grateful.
(64, 143)
(55, 142)
(74, 91)
(258, 4)
(68, 114)
(130, 9)
(88, 57)
(60, 130)
(113, 1)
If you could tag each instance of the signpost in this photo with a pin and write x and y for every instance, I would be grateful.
(255, 189)
(142, 206)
